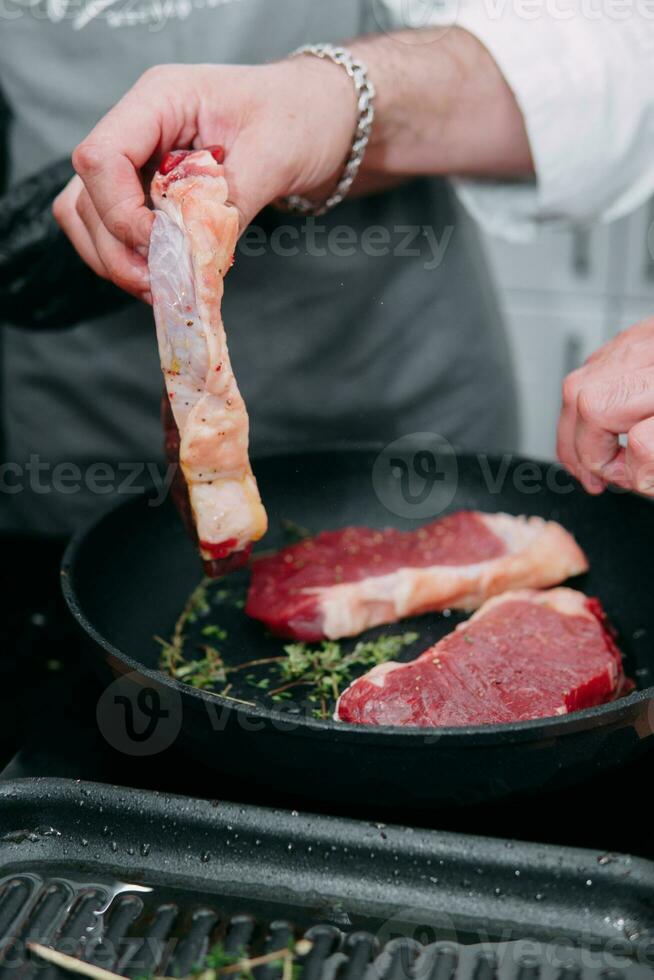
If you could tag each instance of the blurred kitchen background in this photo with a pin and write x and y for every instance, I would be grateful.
(563, 296)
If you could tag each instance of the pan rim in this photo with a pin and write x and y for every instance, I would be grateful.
(471, 736)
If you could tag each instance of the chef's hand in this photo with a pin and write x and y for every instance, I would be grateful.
(612, 395)
(286, 128)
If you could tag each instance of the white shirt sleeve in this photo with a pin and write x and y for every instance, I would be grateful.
(582, 73)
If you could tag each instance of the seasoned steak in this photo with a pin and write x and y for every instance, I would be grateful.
(523, 655)
(343, 582)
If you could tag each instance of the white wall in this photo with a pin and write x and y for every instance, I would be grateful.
(563, 296)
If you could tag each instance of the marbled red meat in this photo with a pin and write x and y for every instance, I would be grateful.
(191, 249)
(342, 582)
(523, 655)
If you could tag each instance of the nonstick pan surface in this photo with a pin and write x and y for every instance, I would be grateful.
(127, 578)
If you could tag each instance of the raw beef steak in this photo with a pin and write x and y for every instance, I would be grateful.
(342, 582)
(206, 422)
(522, 655)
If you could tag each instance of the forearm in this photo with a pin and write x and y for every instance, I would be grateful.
(442, 107)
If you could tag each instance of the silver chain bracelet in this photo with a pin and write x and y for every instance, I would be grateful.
(365, 92)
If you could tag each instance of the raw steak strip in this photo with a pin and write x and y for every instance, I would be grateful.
(523, 655)
(342, 582)
(191, 248)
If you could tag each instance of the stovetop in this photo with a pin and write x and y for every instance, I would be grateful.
(48, 728)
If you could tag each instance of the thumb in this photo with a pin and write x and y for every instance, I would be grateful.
(143, 123)
(251, 185)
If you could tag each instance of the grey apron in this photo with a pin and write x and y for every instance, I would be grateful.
(374, 322)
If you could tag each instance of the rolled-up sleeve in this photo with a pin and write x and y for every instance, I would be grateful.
(583, 76)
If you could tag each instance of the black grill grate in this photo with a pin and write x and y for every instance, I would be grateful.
(138, 934)
(138, 883)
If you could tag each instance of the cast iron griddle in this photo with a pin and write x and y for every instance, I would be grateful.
(127, 579)
(140, 882)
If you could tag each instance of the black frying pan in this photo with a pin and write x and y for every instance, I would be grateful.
(127, 578)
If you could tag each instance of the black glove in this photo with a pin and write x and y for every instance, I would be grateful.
(44, 284)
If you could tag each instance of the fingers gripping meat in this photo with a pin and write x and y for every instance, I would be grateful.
(191, 248)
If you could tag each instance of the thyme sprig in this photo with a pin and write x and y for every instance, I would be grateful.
(324, 668)
(294, 533)
(206, 672)
(217, 963)
(328, 669)
(172, 655)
